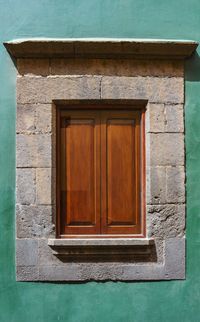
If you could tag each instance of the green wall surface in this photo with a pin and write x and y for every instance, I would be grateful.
(109, 301)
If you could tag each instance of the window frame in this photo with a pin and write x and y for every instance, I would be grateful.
(151, 71)
(139, 108)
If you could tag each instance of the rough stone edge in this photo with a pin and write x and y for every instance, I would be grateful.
(99, 242)
(172, 268)
(100, 47)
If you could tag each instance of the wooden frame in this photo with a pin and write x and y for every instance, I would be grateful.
(108, 110)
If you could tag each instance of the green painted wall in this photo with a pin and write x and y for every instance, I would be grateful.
(144, 301)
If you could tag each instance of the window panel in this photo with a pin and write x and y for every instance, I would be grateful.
(120, 173)
(80, 166)
(99, 170)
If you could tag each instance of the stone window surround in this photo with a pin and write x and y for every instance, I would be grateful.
(89, 70)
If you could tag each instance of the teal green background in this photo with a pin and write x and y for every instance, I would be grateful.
(126, 302)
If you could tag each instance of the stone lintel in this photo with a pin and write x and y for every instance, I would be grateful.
(101, 48)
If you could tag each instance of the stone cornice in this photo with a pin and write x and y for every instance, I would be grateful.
(101, 48)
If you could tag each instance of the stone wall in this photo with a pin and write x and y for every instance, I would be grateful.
(40, 83)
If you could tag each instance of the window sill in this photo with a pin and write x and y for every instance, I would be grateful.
(93, 242)
(106, 249)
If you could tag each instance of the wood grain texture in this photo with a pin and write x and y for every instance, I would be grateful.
(120, 172)
(80, 177)
(100, 173)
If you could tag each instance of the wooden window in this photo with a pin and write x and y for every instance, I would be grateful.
(99, 172)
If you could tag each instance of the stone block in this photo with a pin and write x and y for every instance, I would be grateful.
(77, 87)
(165, 221)
(116, 67)
(174, 118)
(43, 186)
(27, 273)
(164, 118)
(45, 89)
(43, 118)
(101, 271)
(141, 272)
(25, 186)
(32, 89)
(35, 66)
(34, 221)
(175, 258)
(44, 150)
(59, 273)
(26, 151)
(175, 184)
(156, 185)
(159, 246)
(166, 149)
(26, 252)
(153, 89)
(166, 90)
(25, 118)
(46, 255)
(155, 118)
(34, 150)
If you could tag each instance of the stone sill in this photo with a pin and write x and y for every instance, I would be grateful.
(106, 249)
(101, 48)
(93, 242)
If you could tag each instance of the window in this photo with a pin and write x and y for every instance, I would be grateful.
(92, 96)
(99, 172)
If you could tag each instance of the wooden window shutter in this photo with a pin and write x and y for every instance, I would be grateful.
(99, 172)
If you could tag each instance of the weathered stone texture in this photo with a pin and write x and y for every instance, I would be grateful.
(175, 258)
(26, 151)
(159, 82)
(174, 118)
(155, 118)
(175, 184)
(37, 66)
(154, 89)
(58, 270)
(34, 221)
(165, 185)
(166, 221)
(34, 118)
(43, 90)
(27, 273)
(25, 118)
(43, 186)
(44, 149)
(166, 149)
(33, 150)
(43, 118)
(25, 186)
(26, 252)
(46, 255)
(156, 185)
(119, 67)
(164, 118)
